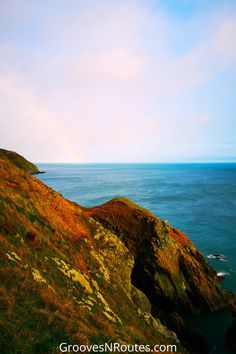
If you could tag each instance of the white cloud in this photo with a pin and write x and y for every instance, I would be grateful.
(27, 125)
(103, 79)
(225, 39)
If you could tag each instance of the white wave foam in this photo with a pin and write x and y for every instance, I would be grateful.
(222, 274)
(218, 256)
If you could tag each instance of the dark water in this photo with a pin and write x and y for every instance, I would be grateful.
(199, 199)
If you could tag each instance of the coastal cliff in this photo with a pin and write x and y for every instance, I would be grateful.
(112, 273)
(167, 268)
(19, 161)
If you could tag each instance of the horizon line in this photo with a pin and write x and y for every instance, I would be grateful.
(133, 162)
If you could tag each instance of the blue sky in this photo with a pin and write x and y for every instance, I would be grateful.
(118, 81)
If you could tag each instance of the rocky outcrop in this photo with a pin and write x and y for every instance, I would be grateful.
(19, 161)
(231, 332)
(63, 276)
(113, 273)
(167, 268)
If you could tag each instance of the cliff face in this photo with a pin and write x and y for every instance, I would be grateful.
(76, 275)
(167, 268)
(231, 332)
(19, 161)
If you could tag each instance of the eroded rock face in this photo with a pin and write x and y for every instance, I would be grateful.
(168, 268)
(63, 276)
(111, 273)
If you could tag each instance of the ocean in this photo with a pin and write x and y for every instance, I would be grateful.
(199, 199)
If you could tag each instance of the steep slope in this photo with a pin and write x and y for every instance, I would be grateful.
(231, 332)
(63, 276)
(19, 161)
(167, 267)
(76, 275)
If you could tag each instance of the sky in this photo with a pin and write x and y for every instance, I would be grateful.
(118, 81)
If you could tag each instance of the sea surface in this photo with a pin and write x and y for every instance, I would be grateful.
(199, 199)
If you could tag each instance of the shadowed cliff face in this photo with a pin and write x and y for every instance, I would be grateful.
(76, 275)
(231, 332)
(168, 268)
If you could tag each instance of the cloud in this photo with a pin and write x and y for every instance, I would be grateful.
(118, 65)
(110, 80)
(27, 124)
(225, 39)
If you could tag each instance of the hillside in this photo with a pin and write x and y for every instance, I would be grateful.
(112, 273)
(19, 161)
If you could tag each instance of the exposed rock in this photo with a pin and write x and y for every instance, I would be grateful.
(111, 273)
(168, 268)
(63, 276)
(174, 276)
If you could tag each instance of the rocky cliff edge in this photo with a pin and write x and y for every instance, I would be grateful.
(113, 273)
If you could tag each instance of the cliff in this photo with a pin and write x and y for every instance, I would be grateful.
(231, 332)
(167, 268)
(113, 273)
(19, 161)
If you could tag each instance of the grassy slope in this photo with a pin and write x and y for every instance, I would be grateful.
(63, 276)
(19, 161)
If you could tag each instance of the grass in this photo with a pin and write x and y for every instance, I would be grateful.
(72, 281)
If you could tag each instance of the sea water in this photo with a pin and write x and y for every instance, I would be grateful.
(199, 199)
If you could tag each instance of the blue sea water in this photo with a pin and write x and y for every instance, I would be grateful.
(199, 199)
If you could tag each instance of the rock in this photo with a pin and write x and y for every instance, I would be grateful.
(231, 332)
(168, 268)
(221, 275)
(217, 256)
(114, 273)
(63, 276)
(193, 339)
